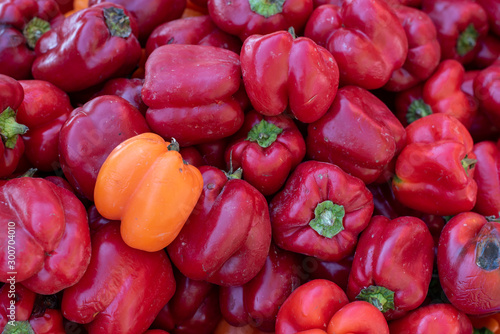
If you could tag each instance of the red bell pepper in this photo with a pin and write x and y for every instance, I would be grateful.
(258, 301)
(432, 319)
(197, 30)
(51, 322)
(149, 13)
(244, 18)
(44, 110)
(365, 153)
(280, 70)
(189, 91)
(60, 182)
(311, 306)
(392, 266)
(11, 144)
(46, 231)
(459, 24)
(434, 172)
(91, 133)
(124, 288)
(487, 91)
(441, 93)
(129, 89)
(320, 211)
(194, 308)
(94, 44)
(337, 272)
(469, 263)
(209, 154)
(267, 148)
(424, 51)
(488, 51)
(492, 8)
(487, 178)
(364, 36)
(21, 309)
(22, 23)
(347, 320)
(226, 239)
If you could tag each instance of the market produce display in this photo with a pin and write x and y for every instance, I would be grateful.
(250, 166)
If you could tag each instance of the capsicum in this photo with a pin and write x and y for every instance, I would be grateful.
(434, 172)
(492, 8)
(487, 178)
(227, 237)
(320, 211)
(129, 89)
(94, 44)
(392, 266)
(364, 36)
(487, 91)
(468, 263)
(46, 228)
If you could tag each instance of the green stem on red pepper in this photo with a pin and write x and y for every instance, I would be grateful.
(328, 219)
(9, 128)
(468, 164)
(417, 110)
(34, 29)
(19, 327)
(117, 22)
(380, 297)
(467, 40)
(264, 133)
(266, 8)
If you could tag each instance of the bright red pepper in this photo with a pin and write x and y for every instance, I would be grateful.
(469, 263)
(267, 148)
(492, 8)
(22, 23)
(11, 144)
(487, 91)
(365, 153)
(441, 93)
(424, 52)
(198, 30)
(347, 320)
(280, 70)
(94, 44)
(129, 89)
(50, 322)
(311, 306)
(89, 136)
(365, 37)
(189, 91)
(459, 24)
(227, 237)
(51, 235)
(244, 18)
(434, 172)
(487, 178)
(258, 301)
(23, 298)
(124, 288)
(194, 308)
(320, 211)
(392, 265)
(149, 13)
(432, 319)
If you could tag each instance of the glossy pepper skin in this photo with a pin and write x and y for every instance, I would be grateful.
(194, 102)
(488, 53)
(492, 8)
(258, 301)
(267, 148)
(437, 145)
(365, 153)
(244, 18)
(24, 300)
(320, 211)
(145, 180)
(441, 93)
(129, 89)
(459, 25)
(432, 319)
(52, 239)
(90, 46)
(487, 91)
(44, 110)
(347, 320)
(91, 133)
(424, 51)
(469, 263)
(149, 14)
(22, 23)
(366, 50)
(487, 178)
(280, 70)
(392, 266)
(311, 306)
(227, 237)
(198, 30)
(112, 295)
(194, 308)
(11, 143)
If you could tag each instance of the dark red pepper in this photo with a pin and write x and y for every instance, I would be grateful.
(487, 178)
(487, 91)
(492, 8)
(488, 53)
(129, 89)
(337, 272)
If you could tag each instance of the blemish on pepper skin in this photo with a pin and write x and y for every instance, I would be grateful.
(180, 170)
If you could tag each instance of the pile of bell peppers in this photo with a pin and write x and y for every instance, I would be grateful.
(250, 166)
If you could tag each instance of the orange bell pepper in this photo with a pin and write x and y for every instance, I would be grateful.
(225, 328)
(77, 5)
(145, 183)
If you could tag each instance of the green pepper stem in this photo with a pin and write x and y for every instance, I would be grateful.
(264, 133)
(467, 164)
(266, 8)
(174, 145)
(467, 40)
(328, 219)
(380, 297)
(9, 128)
(18, 327)
(417, 109)
(34, 29)
(117, 22)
